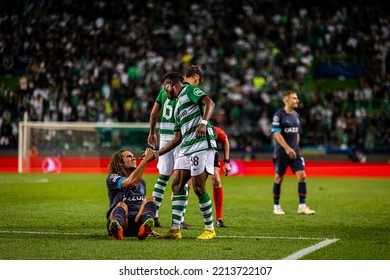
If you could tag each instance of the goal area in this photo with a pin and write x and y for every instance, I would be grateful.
(76, 146)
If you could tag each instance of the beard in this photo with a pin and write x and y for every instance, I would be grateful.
(128, 170)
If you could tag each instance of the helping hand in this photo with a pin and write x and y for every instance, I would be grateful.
(148, 154)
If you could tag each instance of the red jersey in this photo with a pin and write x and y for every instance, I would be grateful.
(221, 136)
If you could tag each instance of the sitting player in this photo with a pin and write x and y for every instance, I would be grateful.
(130, 213)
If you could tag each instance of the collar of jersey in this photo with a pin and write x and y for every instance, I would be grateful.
(183, 90)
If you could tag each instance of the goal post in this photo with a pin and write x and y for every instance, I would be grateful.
(76, 146)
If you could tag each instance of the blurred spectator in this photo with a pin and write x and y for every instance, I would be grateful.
(264, 126)
(33, 152)
(104, 60)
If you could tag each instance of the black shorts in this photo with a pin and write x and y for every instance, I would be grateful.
(216, 160)
(282, 161)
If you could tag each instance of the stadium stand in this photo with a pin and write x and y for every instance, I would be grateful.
(104, 60)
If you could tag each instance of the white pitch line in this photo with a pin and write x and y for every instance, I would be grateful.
(271, 237)
(24, 181)
(227, 236)
(43, 232)
(294, 256)
(311, 249)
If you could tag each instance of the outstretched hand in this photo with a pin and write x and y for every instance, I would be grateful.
(148, 154)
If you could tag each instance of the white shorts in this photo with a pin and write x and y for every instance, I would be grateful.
(197, 162)
(166, 162)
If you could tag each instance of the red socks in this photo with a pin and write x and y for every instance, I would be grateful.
(218, 201)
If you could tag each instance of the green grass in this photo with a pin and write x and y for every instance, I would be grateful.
(62, 217)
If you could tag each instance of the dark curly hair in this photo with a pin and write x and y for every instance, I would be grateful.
(173, 77)
(116, 164)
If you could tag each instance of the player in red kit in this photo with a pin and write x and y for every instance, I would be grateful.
(222, 139)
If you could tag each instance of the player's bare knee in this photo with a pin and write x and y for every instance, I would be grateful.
(175, 188)
(216, 183)
(149, 198)
(302, 178)
(199, 191)
(121, 204)
(301, 175)
(178, 187)
(278, 179)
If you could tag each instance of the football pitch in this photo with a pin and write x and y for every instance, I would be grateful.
(62, 217)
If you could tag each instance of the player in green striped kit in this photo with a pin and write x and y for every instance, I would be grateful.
(193, 75)
(195, 161)
(166, 162)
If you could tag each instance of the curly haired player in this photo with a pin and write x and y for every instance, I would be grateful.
(130, 213)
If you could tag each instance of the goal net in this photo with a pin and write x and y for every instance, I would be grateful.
(76, 146)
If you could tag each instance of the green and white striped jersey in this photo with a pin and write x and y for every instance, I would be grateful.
(167, 121)
(188, 113)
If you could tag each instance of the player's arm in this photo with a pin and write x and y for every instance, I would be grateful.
(226, 152)
(209, 107)
(279, 137)
(168, 146)
(136, 175)
(208, 112)
(152, 138)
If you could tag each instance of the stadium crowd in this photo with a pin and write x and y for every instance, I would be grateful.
(104, 61)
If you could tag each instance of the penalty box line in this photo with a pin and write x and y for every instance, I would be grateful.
(311, 249)
(299, 254)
